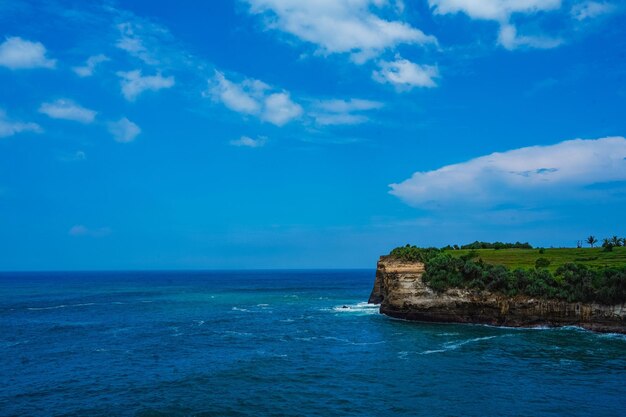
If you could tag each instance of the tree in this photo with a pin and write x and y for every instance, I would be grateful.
(607, 244)
(591, 240)
(616, 241)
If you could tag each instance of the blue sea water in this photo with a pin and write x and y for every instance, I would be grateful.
(278, 343)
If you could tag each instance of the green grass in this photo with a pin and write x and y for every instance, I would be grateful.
(525, 258)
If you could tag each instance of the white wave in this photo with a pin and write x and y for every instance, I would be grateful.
(452, 345)
(59, 306)
(238, 333)
(305, 339)
(360, 308)
(349, 342)
(240, 309)
(11, 344)
(45, 308)
(455, 345)
(381, 342)
(616, 336)
(335, 338)
(574, 328)
(271, 355)
(428, 352)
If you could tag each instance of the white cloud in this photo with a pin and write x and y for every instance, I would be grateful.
(133, 83)
(343, 112)
(18, 53)
(501, 11)
(248, 142)
(508, 38)
(525, 175)
(591, 9)
(92, 62)
(10, 127)
(153, 43)
(405, 75)
(67, 110)
(80, 230)
(242, 98)
(124, 130)
(348, 106)
(340, 26)
(254, 97)
(279, 109)
(131, 42)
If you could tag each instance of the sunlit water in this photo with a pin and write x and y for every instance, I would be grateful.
(278, 343)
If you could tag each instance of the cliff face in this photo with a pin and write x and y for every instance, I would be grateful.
(401, 293)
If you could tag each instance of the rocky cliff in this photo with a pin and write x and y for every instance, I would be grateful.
(401, 293)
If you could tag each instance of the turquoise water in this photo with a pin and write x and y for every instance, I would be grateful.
(278, 343)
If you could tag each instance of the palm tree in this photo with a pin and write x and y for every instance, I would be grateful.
(591, 240)
(616, 241)
(607, 244)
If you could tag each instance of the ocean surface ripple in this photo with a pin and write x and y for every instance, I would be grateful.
(278, 343)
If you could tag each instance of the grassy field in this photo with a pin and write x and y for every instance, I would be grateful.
(525, 258)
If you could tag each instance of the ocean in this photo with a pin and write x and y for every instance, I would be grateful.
(278, 343)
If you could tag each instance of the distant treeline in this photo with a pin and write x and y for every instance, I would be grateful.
(489, 245)
(570, 282)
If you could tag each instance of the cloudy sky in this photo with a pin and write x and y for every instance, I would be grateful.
(292, 134)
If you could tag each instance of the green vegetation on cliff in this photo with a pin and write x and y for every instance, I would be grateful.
(525, 258)
(587, 275)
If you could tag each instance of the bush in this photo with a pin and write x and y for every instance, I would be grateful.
(542, 263)
(497, 245)
(443, 271)
(413, 253)
(577, 281)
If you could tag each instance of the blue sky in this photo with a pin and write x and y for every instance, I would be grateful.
(291, 134)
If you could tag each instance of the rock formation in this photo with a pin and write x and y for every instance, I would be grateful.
(401, 293)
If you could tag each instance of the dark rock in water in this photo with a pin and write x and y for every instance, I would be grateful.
(401, 293)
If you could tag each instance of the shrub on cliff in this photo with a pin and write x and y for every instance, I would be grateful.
(577, 281)
(542, 263)
(611, 285)
(497, 245)
(413, 253)
(443, 271)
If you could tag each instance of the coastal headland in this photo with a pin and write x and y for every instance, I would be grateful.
(413, 289)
